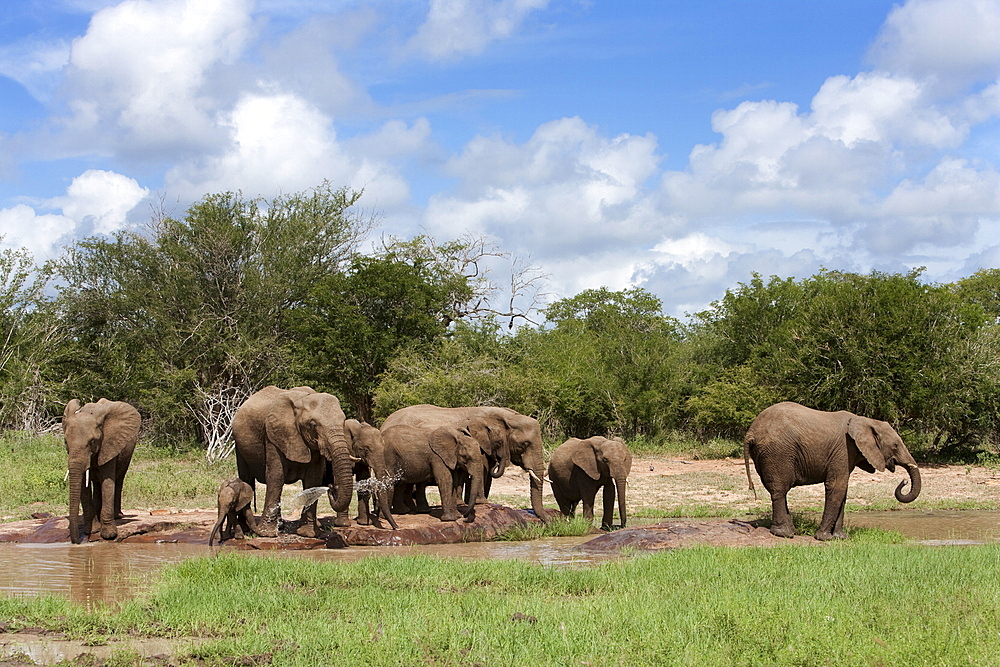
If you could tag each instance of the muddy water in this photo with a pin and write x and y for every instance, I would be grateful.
(108, 573)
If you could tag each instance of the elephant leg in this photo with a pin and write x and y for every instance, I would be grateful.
(400, 491)
(420, 499)
(121, 467)
(566, 506)
(364, 497)
(310, 525)
(781, 518)
(235, 529)
(246, 521)
(446, 488)
(588, 503)
(109, 530)
(831, 525)
(609, 505)
(274, 482)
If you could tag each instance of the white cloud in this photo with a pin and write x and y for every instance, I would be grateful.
(96, 202)
(142, 66)
(559, 192)
(952, 42)
(465, 27)
(279, 143)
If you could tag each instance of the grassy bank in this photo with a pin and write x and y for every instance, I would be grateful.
(858, 603)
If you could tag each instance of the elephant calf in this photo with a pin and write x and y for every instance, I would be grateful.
(792, 445)
(235, 497)
(579, 467)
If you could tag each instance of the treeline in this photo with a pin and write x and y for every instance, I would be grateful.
(187, 316)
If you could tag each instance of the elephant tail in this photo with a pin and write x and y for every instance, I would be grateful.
(746, 464)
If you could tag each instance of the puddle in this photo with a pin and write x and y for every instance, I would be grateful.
(46, 650)
(935, 527)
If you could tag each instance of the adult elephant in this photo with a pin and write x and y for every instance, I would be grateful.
(519, 440)
(792, 445)
(370, 472)
(579, 467)
(100, 439)
(286, 435)
(447, 457)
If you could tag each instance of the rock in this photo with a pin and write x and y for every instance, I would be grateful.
(682, 533)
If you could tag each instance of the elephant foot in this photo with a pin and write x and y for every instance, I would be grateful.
(308, 530)
(342, 521)
(109, 532)
(783, 531)
(825, 535)
(238, 534)
(363, 520)
(267, 529)
(451, 515)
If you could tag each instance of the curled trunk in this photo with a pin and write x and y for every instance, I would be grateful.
(914, 473)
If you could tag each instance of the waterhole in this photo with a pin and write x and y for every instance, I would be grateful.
(99, 572)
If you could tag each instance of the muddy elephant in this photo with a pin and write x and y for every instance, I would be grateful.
(578, 468)
(448, 456)
(235, 516)
(519, 440)
(374, 483)
(100, 440)
(792, 445)
(287, 435)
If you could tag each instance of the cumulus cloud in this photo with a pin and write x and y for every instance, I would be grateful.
(142, 65)
(566, 186)
(951, 42)
(465, 27)
(96, 202)
(281, 143)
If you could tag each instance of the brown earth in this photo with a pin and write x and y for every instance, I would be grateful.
(658, 488)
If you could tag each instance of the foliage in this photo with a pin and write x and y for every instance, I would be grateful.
(200, 303)
(29, 342)
(355, 322)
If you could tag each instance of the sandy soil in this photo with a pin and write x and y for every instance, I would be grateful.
(663, 487)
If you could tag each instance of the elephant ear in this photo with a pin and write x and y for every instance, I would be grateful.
(119, 425)
(283, 431)
(444, 443)
(862, 431)
(585, 459)
(244, 495)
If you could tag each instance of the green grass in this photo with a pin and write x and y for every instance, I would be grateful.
(556, 527)
(676, 444)
(864, 602)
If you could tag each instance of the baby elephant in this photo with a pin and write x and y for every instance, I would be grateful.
(235, 497)
(579, 467)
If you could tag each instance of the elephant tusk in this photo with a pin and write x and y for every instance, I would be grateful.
(354, 458)
(538, 479)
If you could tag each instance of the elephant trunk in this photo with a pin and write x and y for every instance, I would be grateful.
(914, 473)
(499, 466)
(536, 470)
(75, 490)
(475, 492)
(622, 514)
(339, 456)
(382, 491)
(215, 529)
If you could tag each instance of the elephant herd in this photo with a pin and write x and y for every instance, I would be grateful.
(288, 435)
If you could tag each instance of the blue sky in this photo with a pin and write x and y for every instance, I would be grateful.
(676, 145)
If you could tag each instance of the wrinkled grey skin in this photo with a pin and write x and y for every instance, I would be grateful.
(792, 445)
(100, 438)
(447, 457)
(235, 516)
(579, 467)
(368, 449)
(518, 440)
(286, 435)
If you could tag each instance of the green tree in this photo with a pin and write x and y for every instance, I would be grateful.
(30, 342)
(354, 323)
(191, 309)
